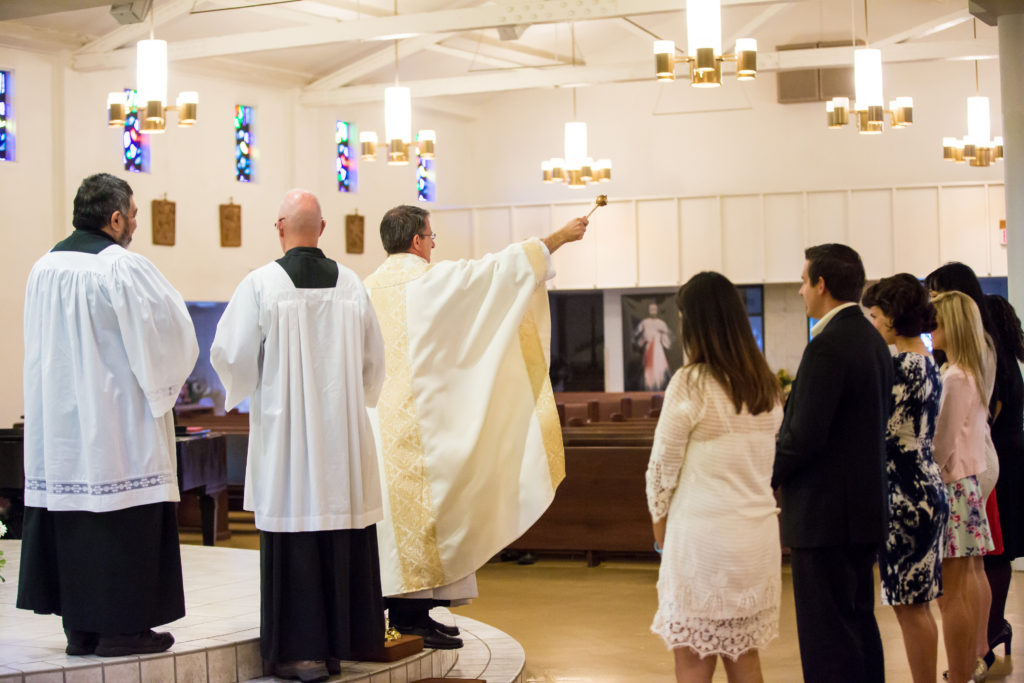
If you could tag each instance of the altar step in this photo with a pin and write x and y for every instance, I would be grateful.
(218, 639)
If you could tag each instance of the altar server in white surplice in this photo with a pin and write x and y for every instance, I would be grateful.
(108, 344)
(470, 444)
(301, 338)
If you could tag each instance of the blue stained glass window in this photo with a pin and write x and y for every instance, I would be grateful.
(6, 141)
(243, 143)
(346, 164)
(133, 142)
(425, 180)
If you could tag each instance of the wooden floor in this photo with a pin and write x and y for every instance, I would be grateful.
(580, 623)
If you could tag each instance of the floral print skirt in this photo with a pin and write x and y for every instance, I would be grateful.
(967, 534)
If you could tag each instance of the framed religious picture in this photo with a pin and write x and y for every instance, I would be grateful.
(651, 346)
(354, 233)
(230, 225)
(163, 222)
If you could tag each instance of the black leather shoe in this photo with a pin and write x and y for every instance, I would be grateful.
(443, 628)
(431, 638)
(144, 643)
(307, 671)
(333, 665)
(81, 642)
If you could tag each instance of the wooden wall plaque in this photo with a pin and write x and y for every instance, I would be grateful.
(230, 225)
(163, 222)
(354, 233)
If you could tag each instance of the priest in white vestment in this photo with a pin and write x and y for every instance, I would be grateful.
(108, 344)
(300, 337)
(469, 439)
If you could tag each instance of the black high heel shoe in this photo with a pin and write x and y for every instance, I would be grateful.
(1004, 637)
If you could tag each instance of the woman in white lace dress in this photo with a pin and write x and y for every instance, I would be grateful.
(709, 493)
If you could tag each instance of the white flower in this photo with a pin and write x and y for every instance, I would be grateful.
(3, 529)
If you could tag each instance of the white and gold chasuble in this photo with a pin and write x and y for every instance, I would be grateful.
(468, 434)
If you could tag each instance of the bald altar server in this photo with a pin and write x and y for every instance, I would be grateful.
(470, 444)
(300, 336)
(108, 344)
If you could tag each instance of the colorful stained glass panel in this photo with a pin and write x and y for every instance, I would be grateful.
(6, 140)
(425, 186)
(135, 145)
(243, 143)
(346, 163)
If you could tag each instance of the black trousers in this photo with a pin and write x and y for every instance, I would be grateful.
(104, 572)
(834, 591)
(320, 595)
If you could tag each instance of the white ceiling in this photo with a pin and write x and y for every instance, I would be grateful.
(341, 51)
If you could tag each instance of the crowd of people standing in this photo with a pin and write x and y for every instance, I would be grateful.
(886, 452)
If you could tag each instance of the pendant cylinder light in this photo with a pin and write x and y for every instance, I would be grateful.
(979, 129)
(575, 144)
(151, 80)
(746, 59)
(704, 32)
(867, 73)
(665, 60)
(397, 123)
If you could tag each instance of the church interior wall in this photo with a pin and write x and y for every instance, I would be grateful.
(668, 143)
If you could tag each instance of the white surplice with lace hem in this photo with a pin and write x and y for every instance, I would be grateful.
(710, 470)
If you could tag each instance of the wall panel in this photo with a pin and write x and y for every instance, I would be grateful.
(871, 230)
(784, 240)
(916, 230)
(575, 263)
(743, 239)
(613, 231)
(826, 217)
(454, 229)
(657, 242)
(963, 234)
(996, 213)
(531, 221)
(492, 230)
(701, 231)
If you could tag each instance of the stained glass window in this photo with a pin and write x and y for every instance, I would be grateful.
(346, 165)
(6, 148)
(243, 143)
(425, 186)
(135, 144)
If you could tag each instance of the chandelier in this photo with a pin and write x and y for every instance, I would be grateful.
(977, 147)
(704, 49)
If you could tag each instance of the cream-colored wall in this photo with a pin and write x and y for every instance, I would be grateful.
(667, 142)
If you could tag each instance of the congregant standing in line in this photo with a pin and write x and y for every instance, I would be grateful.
(108, 344)
(470, 444)
(301, 338)
(830, 468)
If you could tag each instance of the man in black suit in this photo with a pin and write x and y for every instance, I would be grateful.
(830, 465)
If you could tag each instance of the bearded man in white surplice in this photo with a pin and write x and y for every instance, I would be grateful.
(300, 336)
(468, 434)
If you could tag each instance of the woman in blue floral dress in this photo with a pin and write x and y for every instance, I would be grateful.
(911, 561)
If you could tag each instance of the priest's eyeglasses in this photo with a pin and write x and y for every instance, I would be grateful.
(431, 235)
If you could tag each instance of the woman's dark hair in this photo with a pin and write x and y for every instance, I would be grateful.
(716, 333)
(1007, 324)
(905, 301)
(958, 277)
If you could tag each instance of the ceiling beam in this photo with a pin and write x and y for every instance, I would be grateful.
(751, 27)
(130, 33)
(923, 30)
(377, 60)
(19, 9)
(379, 28)
(526, 78)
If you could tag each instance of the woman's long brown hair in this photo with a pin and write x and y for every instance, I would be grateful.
(717, 334)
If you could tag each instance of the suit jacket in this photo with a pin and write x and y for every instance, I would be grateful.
(830, 453)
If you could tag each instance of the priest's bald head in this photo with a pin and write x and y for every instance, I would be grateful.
(407, 229)
(299, 220)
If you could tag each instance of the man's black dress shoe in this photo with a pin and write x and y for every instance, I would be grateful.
(307, 671)
(81, 642)
(443, 628)
(144, 643)
(432, 638)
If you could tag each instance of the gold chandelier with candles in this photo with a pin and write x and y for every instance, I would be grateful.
(977, 148)
(151, 100)
(869, 105)
(704, 49)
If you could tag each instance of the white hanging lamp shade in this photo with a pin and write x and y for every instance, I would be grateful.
(397, 124)
(979, 129)
(704, 33)
(151, 80)
(575, 144)
(867, 74)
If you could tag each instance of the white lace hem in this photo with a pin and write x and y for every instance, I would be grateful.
(726, 637)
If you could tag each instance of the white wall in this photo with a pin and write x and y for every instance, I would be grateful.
(667, 141)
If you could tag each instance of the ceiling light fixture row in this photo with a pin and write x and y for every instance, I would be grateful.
(397, 126)
(977, 147)
(869, 105)
(151, 84)
(704, 49)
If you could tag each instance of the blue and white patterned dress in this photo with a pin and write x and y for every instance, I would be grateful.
(911, 561)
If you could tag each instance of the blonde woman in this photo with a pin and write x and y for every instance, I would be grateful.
(959, 450)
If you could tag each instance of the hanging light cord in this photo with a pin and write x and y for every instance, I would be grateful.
(867, 37)
(977, 86)
(396, 49)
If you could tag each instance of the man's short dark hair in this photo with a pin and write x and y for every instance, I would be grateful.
(400, 225)
(840, 266)
(98, 197)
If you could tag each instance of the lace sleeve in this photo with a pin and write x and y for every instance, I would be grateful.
(682, 410)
